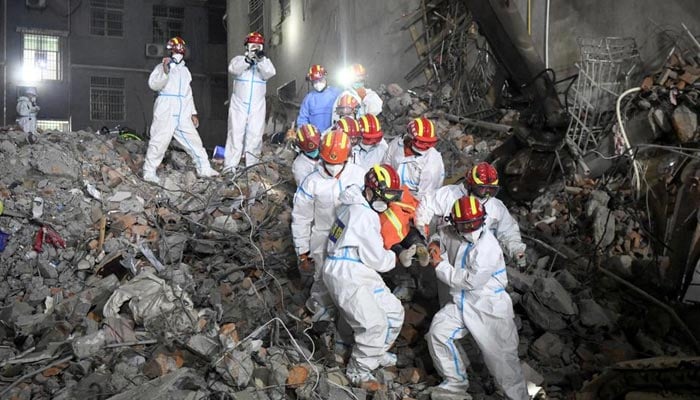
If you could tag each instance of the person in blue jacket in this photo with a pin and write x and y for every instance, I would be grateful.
(317, 107)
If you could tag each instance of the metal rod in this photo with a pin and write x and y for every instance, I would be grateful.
(475, 122)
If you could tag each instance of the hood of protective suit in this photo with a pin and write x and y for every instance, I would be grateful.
(352, 195)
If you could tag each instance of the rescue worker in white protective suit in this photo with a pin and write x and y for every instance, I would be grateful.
(308, 140)
(469, 260)
(356, 255)
(416, 160)
(481, 181)
(368, 99)
(27, 110)
(346, 107)
(246, 111)
(313, 213)
(351, 127)
(372, 147)
(174, 114)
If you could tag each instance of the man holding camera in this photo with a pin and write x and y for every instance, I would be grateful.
(246, 113)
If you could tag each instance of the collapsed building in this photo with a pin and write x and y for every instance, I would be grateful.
(116, 289)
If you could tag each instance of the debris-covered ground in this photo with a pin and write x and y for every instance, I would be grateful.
(116, 289)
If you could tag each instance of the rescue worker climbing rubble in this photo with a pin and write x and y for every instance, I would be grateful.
(308, 140)
(313, 213)
(246, 113)
(481, 181)
(317, 106)
(468, 258)
(174, 114)
(368, 100)
(372, 147)
(414, 156)
(351, 273)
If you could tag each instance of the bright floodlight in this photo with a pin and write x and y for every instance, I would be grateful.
(30, 74)
(346, 77)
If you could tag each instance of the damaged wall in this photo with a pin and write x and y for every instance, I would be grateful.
(331, 33)
(641, 19)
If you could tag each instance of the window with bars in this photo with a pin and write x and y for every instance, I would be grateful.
(53, 125)
(256, 20)
(107, 101)
(167, 22)
(107, 18)
(41, 56)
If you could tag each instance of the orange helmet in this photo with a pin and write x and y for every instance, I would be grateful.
(359, 72)
(482, 180)
(422, 133)
(384, 182)
(254, 37)
(371, 129)
(176, 45)
(308, 138)
(316, 72)
(347, 105)
(350, 126)
(335, 147)
(467, 214)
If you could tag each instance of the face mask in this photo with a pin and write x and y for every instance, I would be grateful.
(177, 57)
(319, 86)
(252, 48)
(418, 151)
(472, 237)
(366, 147)
(334, 169)
(358, 85)
(312, 155)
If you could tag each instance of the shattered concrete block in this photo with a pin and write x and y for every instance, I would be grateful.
(546, 347)
(592, 315)
(553, 295)
(531, 375)
(411, 375)
(567, 279)
(541, 316)
(54, 161)
(685, 123)
(603, 227)
(89, 345)
(409, 334)
(235, 367)
(163, 388)
(203, 345)
(394, 90)
(172, 247)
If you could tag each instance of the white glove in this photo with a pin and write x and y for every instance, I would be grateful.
(406, 256)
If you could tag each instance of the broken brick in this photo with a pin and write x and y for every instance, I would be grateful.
(298, 374)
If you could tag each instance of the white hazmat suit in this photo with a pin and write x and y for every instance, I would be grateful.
(423, 174)
(302, 167)
(27, 110)
(476, 275)
(356, 255)
(246, 112)
(313, 214)
(367, 156)
(498, 218)
(172, 117)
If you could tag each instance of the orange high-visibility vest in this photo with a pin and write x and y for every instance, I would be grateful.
(396, 220)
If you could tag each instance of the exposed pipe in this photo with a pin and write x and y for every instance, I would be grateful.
(529, 17)
(4, 63)
(635, 166)
(546, 35)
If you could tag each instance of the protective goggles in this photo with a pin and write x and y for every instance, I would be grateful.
(345, 110)
(486, 190)
(387, 195)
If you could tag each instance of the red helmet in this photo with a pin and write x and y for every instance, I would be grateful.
(482, 180)
(308, 138)
(176, 45)
(384, 182)
(350, 126)
(359, 72)
(316, 73)
(335, 147)
(467, 214)
(254, 37)
(371, 129)
(347, 104)
(422, 133)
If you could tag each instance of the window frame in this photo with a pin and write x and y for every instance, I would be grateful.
(168, 18)
(106, 9)
(26, 34)
(106, 88)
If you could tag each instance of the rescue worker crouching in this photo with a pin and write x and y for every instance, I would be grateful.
(356, 256)
(313, 213)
